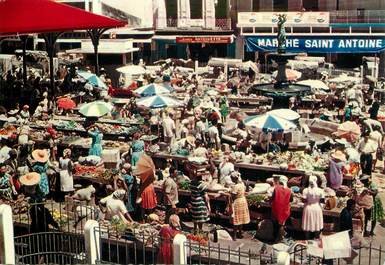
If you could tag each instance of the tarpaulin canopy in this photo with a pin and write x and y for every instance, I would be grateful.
(18, 17)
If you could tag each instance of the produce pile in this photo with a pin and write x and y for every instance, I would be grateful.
(297, 160)
(70, 125)
(202, 239)
(256, 199)
(90, 170)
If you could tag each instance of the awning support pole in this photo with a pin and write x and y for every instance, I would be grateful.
(23, 40)
(95, 35)
(50, 41)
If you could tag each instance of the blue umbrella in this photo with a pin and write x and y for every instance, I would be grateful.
(159, 101)
(93, 79)
(267, 122)
(153, 89)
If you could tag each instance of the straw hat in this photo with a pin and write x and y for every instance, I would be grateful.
(13, 112)
(30, 179)
(40, 155)
(338, 155)
(190, 140)
(67, 152)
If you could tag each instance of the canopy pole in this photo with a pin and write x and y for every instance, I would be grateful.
(23, 40)
(95, 35)
(50, 41)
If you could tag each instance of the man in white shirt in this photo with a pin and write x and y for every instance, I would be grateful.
(200, 128)
(367, 149)
(376, 136)
(116, 207)
(169, 130)
(225, 169)
(4, 150)
(213, 133)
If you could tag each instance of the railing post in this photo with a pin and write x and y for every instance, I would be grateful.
(92, 241)
(7, 244)
(180, 255)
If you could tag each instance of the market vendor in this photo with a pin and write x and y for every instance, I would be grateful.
(40, 165)
(169, 129)
(367, 149)
(336, 169)
(167, 234)
(226, 167)
(280, 205)
(137, 148)
(214, 137)
(7, 189)
(200, 203)
(115, 206)
(312, 216)
(240, 209)
(96, 145)
(24, 113)
(66, 168)
(377, 210)
(23, 132)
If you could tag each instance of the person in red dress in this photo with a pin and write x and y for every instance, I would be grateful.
(167, 234)
(149, 200)
(280, 205)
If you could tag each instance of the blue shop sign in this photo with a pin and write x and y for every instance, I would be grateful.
(317, 44)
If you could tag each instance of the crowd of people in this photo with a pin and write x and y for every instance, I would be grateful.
(45, 172)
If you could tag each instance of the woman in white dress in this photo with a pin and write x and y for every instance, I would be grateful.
(312, 217)
(66, 178)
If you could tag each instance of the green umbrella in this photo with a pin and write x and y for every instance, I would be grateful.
(96, 109)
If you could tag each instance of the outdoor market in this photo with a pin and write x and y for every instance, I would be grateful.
(223, 153)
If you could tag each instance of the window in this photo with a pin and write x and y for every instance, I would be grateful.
(221, 9)
(256, 5)
(196, 9)
(171, 8)
(310, 5)
(280, 5)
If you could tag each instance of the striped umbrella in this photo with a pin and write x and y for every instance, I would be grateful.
(96, 109)
(267, 122)
(153, 89)
(159, 102)
(93, 79)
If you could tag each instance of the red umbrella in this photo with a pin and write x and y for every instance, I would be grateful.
(66, 103)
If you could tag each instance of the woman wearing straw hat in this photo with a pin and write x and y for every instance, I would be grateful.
(40, 156)
(29, 183)
(66, 167)
(336, 167)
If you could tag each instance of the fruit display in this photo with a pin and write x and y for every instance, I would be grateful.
(256, 199)
(82, 170)
(199, 238)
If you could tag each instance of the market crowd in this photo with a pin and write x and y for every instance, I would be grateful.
(213, 138)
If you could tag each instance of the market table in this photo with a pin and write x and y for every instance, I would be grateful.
(263, 211)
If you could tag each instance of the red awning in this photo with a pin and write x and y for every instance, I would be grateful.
(18, 17)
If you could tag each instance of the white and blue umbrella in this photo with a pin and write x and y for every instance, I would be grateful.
(153, 89)
(93, 79)
(286, 114)
(159, 101)
(267, 122)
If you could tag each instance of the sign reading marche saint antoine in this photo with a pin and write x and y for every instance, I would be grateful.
(318, 44)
